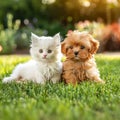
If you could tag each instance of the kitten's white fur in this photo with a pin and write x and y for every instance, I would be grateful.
(44, 66)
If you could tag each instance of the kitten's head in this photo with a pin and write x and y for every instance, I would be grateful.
(45, 49)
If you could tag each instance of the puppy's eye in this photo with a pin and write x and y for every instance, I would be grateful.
(71, 47)
(82, 47)
(49, 51)
(40, 51)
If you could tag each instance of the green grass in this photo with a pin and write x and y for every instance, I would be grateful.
(86, 101)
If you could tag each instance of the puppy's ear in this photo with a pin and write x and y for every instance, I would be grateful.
(94, 46)
(63, 48)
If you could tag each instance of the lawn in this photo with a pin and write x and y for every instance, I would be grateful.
(86, 101)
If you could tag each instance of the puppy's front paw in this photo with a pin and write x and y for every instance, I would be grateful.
(100, 81)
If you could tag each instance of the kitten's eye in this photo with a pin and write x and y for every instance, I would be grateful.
(49, 51)
(41, 51)
(71, 47)
(82, 47)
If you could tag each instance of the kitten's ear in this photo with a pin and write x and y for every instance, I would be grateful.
(57, 39)
(34, 39)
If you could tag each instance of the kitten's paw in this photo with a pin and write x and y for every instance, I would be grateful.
(55, 80)
(6, 80)
(39, 81)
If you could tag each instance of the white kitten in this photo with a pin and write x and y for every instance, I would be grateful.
(45, 65)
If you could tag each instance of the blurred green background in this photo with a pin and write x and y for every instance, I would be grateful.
(18, 18)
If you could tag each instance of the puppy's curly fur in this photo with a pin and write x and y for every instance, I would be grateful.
(79, 49)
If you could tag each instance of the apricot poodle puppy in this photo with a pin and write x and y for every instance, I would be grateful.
(79, 49)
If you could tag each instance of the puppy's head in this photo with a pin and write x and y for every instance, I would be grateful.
(79, 46)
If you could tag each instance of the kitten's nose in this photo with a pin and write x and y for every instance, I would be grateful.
(44, 56)
(76, 53)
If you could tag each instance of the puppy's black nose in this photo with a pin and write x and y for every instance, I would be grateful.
(76, 52)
